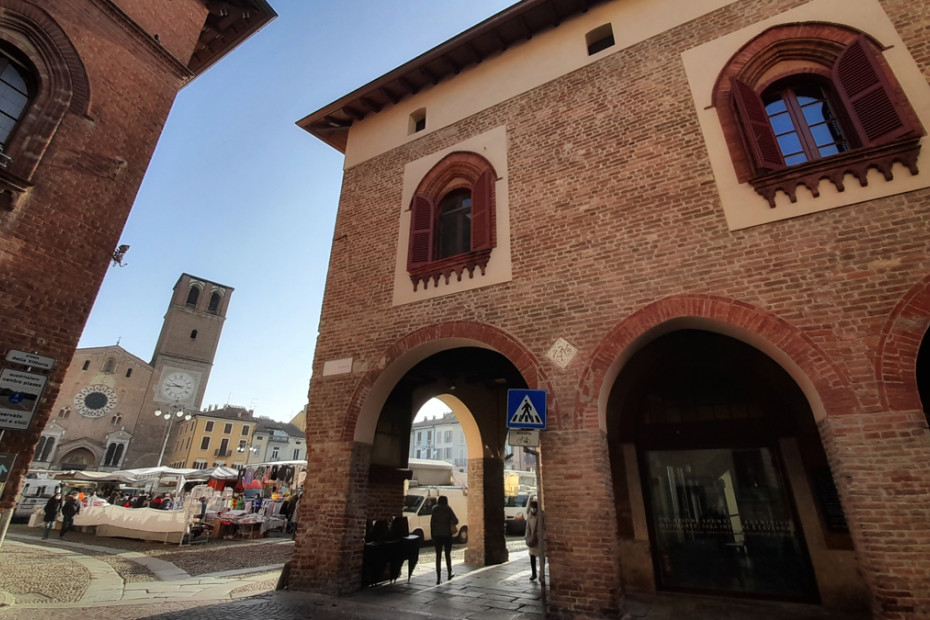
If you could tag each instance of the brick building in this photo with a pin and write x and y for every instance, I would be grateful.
(86, 87)
(701, 227)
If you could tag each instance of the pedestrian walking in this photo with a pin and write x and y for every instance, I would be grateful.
(52, 508)
(442, 524)
(70, 509)
(534, 535)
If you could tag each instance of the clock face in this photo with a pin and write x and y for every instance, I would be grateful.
(178, 386)
(95, 401)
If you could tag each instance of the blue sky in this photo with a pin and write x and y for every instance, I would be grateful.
(237, 194)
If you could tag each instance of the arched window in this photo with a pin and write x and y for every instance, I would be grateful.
(805, 102)
(44, 449)
(109, 365)
(453, 228)
(111, 451)
(214, 305)
(193, 334)
(16, 90)
(452, 220)
(192, 296)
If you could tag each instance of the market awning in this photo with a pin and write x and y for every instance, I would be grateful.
(96, 476)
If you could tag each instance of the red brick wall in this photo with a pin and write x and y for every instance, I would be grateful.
(57, 241)
(616, 227)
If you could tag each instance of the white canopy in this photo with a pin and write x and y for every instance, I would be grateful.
(96, 476)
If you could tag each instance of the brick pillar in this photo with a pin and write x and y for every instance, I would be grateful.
(386, 492)
(582, 547)
(880, 464)
(475, 554)
(328, 555)
(490, 508)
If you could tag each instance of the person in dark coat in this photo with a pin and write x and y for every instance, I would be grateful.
(52, 508)
(69, 510)
(440, 524)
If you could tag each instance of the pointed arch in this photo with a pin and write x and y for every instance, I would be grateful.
(898, 347)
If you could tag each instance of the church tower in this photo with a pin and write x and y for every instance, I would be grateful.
(181, 362)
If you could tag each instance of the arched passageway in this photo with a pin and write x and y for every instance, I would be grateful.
(720, 479)
(473, 382)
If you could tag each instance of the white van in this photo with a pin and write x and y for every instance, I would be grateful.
(418, 507)
(515, 508)
(35, 494)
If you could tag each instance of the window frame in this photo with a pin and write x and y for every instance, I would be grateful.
(455, 172)
(832, 54)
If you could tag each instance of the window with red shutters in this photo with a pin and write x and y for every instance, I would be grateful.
(452, 220)
(843, 113)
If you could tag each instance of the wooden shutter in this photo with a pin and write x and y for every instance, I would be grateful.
(481, 211)
(421, 232)
(759, 133)
(868, 96)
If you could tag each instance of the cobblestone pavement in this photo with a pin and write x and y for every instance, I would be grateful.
(87, 576)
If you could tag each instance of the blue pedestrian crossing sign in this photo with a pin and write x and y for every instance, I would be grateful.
(526, 408)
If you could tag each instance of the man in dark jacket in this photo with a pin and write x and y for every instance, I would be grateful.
(52, 507)
(69, 510)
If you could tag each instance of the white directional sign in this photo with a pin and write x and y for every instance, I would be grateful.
(30, 359)
(19, 396)
(526, 409)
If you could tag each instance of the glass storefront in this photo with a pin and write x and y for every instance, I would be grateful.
(722, 522)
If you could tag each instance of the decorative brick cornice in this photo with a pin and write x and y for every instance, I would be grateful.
(856, 162)
(445, 267)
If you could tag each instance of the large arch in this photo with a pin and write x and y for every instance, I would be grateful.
(374, 387)
(898, 349)
(824, 384)
(822, 387)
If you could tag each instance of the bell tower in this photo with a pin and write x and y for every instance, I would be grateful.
(188, 340)
(181, 362)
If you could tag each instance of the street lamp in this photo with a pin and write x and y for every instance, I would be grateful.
(173, 412)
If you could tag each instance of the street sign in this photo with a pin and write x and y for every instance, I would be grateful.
(19, 397)
(30, 359)
(6, 464)
(526, 409)
(523, 438)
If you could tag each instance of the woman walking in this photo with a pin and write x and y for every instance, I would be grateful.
(440, 524)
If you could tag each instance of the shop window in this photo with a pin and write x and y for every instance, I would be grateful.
(832, 108)
(452, 223)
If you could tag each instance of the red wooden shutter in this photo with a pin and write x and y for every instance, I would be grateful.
(421, 232)
(759, 133)
(481, 212)
(868, 95)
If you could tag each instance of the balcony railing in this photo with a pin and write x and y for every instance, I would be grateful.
(222, 453)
